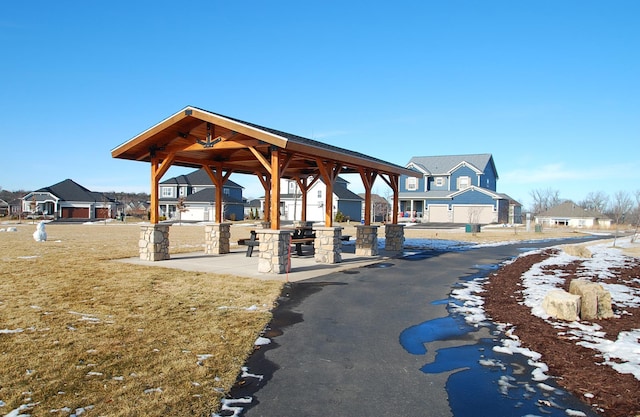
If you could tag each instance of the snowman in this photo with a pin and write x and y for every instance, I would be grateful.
(40, 235)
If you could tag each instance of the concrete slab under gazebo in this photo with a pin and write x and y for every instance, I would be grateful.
(222, 145)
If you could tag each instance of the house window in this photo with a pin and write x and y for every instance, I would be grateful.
(463, 182)
(292, 187)
(412, 184)
(319, 193)
(167, 192)
(226, 191)
(439, 181)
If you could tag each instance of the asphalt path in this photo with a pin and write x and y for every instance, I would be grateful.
(335, 347)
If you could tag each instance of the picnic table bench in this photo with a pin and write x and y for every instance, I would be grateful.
(302, 236)
(251, 243)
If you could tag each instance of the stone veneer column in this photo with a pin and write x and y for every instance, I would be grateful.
(366, 240)
(273, 251)
(216, 238)
(154, 242)
(327, 245)
(394, 237)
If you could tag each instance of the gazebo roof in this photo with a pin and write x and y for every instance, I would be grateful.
(197, 137)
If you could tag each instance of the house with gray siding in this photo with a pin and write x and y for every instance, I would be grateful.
(455, 189)
(196, 193)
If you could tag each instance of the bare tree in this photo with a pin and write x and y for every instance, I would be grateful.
(181, 207)
(621, 205)
(636, 216)
(544, 199)
(596, 201)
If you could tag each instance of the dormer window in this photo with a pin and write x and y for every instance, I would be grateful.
(412, 183)
(439, 181)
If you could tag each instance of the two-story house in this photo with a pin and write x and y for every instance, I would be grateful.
(455, 189)
(195, 192)
(345, 202)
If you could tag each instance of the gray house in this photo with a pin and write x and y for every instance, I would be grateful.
(455, 189)
(68, 200)
(195, 194)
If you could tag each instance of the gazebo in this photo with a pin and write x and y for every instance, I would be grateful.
(222, 145)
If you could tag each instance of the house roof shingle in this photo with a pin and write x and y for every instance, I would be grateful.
(197, 177)
(443, 164)
(569, 209)
(69, 190)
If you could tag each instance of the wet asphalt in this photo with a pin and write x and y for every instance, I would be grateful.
(335, 347)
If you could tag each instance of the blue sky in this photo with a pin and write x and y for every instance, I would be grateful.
(550, 88)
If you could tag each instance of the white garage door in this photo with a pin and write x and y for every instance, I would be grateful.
(193, 214)
(439, 214)
(474, 214)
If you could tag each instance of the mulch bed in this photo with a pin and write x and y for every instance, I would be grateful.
(574, 367)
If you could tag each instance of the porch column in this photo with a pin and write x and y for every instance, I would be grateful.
(328, 245)
(394, 237)
(216, 238)
(154, 242)
(273, 251)
(366, 240)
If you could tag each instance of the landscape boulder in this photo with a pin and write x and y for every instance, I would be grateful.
(562, 305)
(595, 300)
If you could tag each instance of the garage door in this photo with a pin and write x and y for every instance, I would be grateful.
(438, 214)
(102, 213)
(75, 212)
(474, 214)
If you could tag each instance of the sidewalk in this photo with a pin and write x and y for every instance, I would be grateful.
(237, 263)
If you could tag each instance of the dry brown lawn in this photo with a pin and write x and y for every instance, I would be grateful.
(80, 331)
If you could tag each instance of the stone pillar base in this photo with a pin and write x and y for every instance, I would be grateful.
(366, 240)
(216, 238)
(273, 251)
(394, 237)
(328, 245)
(154, 242)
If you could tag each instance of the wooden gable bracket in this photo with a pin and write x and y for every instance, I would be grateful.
(209, 141)
(261, 158)
(394, 183)
(329, 172)
(218, 179)
(265, 180)
(304, 188)
(159, 167)
(368, 178)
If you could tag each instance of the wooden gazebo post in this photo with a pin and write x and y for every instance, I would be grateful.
(154, 238)
(217, 236)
